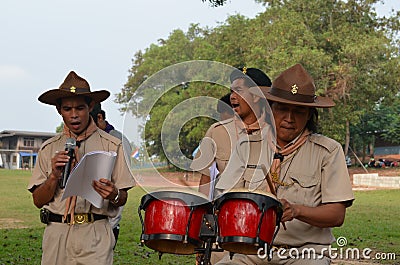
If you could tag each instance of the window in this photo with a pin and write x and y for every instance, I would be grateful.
(29, 142)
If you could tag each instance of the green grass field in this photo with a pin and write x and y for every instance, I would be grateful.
(371, 222)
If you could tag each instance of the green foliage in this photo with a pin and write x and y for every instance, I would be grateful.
(352, 54)
(60, 128)
(369, 224)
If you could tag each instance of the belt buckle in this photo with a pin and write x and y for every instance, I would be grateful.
(81, 218)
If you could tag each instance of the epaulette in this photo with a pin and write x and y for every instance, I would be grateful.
(51, 140)
(109, 137)
(324, 141)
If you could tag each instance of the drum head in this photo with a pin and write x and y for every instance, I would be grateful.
(190, 199)
(262, 199)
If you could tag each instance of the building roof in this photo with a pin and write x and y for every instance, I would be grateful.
(10, 133)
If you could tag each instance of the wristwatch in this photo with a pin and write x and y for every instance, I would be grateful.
(116, 199)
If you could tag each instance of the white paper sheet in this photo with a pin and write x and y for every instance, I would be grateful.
(213, 175)
(93, 166)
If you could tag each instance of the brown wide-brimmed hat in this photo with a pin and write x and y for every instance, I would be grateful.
(73, 85)
(295, 86)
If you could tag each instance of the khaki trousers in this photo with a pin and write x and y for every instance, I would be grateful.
(90, 243)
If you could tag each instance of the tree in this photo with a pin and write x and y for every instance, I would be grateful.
(352, 54)
(60, 128)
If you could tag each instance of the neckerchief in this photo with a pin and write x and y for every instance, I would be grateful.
(70, 203)
(250, 128)
(279, 155)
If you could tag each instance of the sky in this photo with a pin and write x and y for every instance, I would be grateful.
(43, 40)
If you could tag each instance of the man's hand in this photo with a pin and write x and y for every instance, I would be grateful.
(58, 162)
(324, 215)
(289, 211)
(105, 188)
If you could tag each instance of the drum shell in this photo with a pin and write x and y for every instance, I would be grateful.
(242, 225)
(172, 222)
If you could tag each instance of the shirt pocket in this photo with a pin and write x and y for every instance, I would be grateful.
(253, 176)
(306, 190)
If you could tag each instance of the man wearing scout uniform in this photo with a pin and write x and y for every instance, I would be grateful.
(222, 136)
(308, 171)
(77, 232)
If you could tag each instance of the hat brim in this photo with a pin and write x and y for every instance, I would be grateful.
(319, 102)
(50, 97)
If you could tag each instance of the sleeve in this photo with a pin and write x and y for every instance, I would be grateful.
(235, 168)
(335, 182)
(206, 154)
(122, 175)
(42, 169)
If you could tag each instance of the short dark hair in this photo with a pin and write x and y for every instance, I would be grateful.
(96, 110)
(224, 104)
(251, 76)
(312, 123)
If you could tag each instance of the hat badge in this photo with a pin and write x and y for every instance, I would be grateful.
(72, 89)
(295, 89)
(244, 70)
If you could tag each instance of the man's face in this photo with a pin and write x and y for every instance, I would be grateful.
(242, 101)
(75, 113)
(290, 120)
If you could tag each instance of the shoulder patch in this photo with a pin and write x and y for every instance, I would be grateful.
(324, 141)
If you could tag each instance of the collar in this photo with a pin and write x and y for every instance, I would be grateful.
(250, 128)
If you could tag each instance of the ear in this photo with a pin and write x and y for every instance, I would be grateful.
(99, 117)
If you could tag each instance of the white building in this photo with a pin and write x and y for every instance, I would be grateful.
(18, 149)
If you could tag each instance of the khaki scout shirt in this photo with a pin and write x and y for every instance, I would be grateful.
(98, 141)
(316, 174)
(244, 169)
(217, 145)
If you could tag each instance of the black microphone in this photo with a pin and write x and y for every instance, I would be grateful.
(70, 147)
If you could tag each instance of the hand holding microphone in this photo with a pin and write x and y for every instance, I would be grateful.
(70, 148)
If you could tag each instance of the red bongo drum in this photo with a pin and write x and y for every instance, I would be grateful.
(247, 221)
(172, 220)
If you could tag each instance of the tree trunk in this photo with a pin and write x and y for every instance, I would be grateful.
(347, 139)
